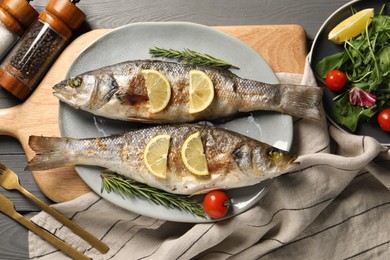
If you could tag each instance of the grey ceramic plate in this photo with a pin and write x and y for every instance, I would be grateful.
(322, 47)
(133, 42)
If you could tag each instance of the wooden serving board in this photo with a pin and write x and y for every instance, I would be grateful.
(282, 46)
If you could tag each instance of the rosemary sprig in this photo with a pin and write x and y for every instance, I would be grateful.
(130, 188)
(190, 57)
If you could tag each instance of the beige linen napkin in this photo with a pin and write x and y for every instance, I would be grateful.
(336, 207)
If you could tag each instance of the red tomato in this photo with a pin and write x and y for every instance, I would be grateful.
(335, 80)
(384, 119)
(216, 204)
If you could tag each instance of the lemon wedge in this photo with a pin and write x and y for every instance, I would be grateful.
(192, 155)
(352, 26)
(156, 155)
(201, 91)
(159, 89)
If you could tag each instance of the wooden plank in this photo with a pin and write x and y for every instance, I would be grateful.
(309, 14)
(13, 239)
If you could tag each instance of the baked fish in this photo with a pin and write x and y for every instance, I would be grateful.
(233, 160)
(118, 92)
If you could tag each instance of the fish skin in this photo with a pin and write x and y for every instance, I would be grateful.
(118, 91)
(233, 160)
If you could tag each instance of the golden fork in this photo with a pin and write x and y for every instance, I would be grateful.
(7, 207)
(10, 181)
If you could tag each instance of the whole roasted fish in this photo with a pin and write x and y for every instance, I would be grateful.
(233, 160)
(118, 92)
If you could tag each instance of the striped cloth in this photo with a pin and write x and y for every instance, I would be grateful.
(336, 207)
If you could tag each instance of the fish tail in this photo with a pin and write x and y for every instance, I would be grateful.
(295, 100)
(49, 153)
(302, 101)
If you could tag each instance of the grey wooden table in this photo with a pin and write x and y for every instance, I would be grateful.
(113, 13)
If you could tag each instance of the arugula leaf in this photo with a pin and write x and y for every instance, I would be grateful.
(350, 116)
(330, 63)
(384, 60)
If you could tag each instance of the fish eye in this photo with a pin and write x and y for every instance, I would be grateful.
(274, 154)
(74, 83)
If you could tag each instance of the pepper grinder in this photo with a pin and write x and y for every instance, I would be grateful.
(40, 45)
(15, 17)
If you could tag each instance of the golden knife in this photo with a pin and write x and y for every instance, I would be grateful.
(10, 181)
(7, 207)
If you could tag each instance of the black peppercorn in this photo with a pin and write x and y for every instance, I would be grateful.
(39, 46)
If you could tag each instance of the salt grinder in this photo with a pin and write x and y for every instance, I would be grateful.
(40, 45)
(15, 17)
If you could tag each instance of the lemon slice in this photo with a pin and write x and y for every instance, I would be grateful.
(201, 91)
(192, 155)
(352, 26)
(156, 155)
(159, 90)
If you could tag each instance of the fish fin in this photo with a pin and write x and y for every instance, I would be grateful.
(295, 100)
(143, 120)
(49, 153)
(202, 192)
(108, 171)
(303, 101)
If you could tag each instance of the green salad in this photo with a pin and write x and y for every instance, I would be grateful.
(365, 61)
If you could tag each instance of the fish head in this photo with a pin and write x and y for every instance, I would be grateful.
(76, 91)
(273, 161)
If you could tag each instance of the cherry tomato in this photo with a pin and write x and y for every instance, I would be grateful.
(216, 204)
(384, 119)
(335, 80)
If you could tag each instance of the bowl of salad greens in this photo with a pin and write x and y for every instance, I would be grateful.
(356, 73)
